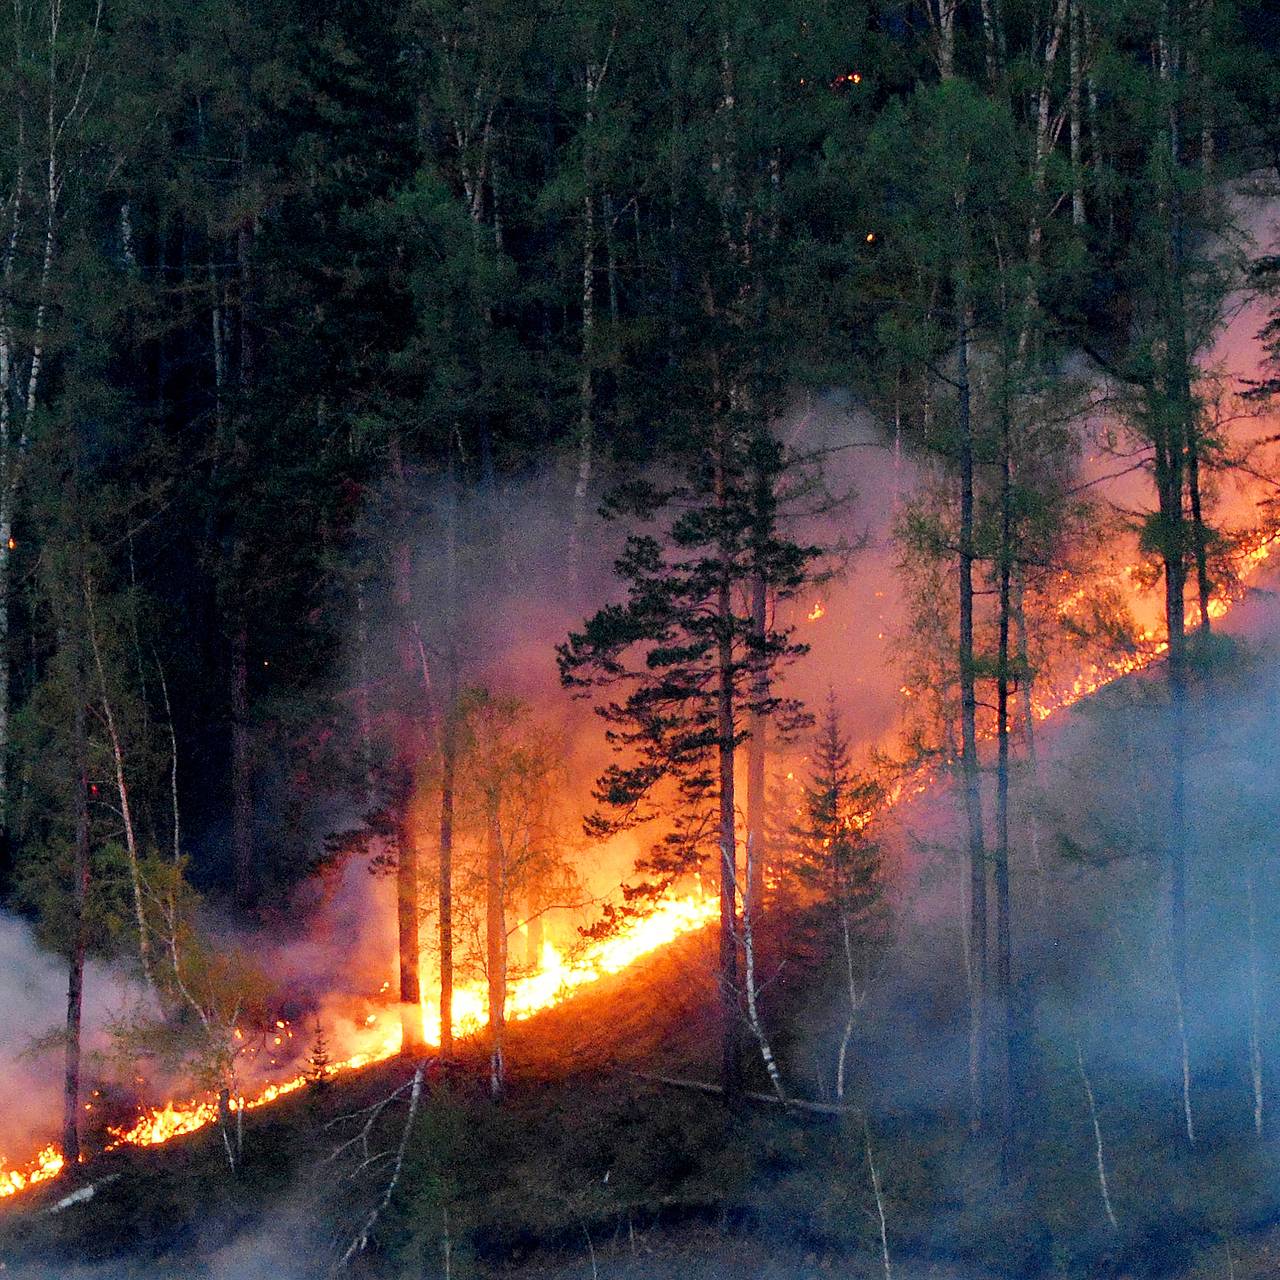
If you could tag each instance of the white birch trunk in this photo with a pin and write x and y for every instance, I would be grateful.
(1255, 1007)
(1184, 1048)
(122, 790)
(1076, 107)
(880, 1213)
(1097, 1138)
(753, 1008)
(63, 110)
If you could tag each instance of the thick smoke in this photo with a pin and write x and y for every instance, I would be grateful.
(33, 993)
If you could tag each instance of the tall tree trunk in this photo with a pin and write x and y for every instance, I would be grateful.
(448, 757)
(992, 39)
(586, 383)
(495, 942)
(1076, 109)
(412, 1039)
(122, 791)
(1199, 533)
(408, 743)
(726, 733)
(1207, 143)
(1175, 437)
(1175, 579)
(364, 707)
(1255, 1003)
(942, 18)
(1026, 689)
(79, 899)
(1004, 946)
(448, 766)
(242, 861)
(753, 906)
(730, 1067)
(970, 778)
(242, 853)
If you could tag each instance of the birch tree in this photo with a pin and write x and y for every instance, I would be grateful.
(51, 76)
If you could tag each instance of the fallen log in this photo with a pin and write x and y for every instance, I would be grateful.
(799, 1104)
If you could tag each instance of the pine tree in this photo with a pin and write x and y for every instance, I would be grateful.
(319, 1058)
(684, 654)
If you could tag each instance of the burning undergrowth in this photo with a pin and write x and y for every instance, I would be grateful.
(327, 1002)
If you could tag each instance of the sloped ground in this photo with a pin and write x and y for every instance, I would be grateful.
(591, 1169)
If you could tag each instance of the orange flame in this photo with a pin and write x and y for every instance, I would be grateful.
(557, 977)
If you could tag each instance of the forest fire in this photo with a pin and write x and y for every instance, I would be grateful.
(559, 972)
(557, 977)
(45, 1165)
(1150, 646)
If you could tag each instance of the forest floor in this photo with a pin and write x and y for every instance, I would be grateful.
(587, 1171)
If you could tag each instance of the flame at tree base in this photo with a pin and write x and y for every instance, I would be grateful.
(556, 979)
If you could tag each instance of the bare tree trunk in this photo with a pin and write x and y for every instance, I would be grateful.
(79, 899)
(1177, 803)
(855, 1001)
(242, 853)
(242, 861)
(1175, 436)
(593, 78)
(992, 38)
(753, 1008)
(611, 269)
(1097, 1138)
(1198, 532)
(1026, 686)
(364, 709)
(1255, 1005)
(1076, 109)
(408, 743)
(218, 328)
(756, 753)
(1004, 947)
(448, 765)
(173, 767)
(726, 726)
(879, 1196)
(448, 761)
(586, 381)
(969, 749)
(942, 19)
(496, 943)
(1207, 143)
(122, 790)
(754, 898)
